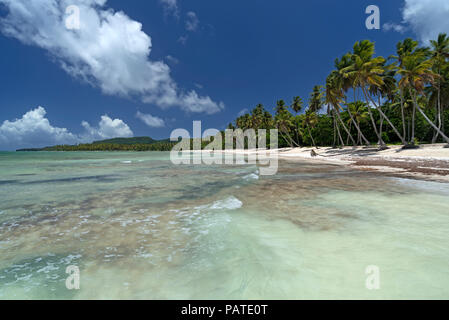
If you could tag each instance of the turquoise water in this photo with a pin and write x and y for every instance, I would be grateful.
(139, 227)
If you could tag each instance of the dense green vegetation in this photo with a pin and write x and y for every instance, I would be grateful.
(134, 140)
(369, 100)
(117, 144)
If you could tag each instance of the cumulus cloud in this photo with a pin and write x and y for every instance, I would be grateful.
(427, 18)
(192, 102)
(109, 50)
(107, 129)
(192, 21)
(151, 121)
(35, 130)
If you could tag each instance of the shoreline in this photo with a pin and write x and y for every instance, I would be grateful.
(428, 162)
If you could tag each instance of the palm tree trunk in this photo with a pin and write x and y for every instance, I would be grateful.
(381, 142)
(358, 129)
(286, 140)
(402, 114)
(438, 114)
(310, 133)
(381, 117)
(344, 127)
(359, 137)
(350, 127)
(381, 125)
(429, 121)
(412, 139)
(338, 129)
(389, 122)
(335, 130)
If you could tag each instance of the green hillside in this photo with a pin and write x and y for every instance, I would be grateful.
(116, 144)
(129, 141)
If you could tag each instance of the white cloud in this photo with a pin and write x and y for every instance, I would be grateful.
(150, 120)
(243, 112)
(427, 18)
(192, 21)
(34, 130)
(394, 27)
(194, 103)
(107, 129)
(109, 50)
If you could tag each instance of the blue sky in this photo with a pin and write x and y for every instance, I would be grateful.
(208, 61)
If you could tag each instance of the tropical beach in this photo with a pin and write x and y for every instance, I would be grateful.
(429, 162)
(221, 151)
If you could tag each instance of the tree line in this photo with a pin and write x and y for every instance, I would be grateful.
(368, 100)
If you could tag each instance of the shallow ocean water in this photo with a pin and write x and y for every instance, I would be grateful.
(139, 227)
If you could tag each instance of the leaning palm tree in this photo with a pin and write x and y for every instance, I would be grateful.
(335, 97)
(367, 72)
(403, 49)
(416, 73)
(332, 100)
(283, 120)
(346, 83)
(310, 121)
(440, 52)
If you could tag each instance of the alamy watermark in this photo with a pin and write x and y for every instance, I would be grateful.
(239, 147)
(372, 281)
(72, 21)
(73, 280)
(373, 20)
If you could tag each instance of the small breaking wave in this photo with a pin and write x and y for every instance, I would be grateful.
(251, 176)
(231, 203)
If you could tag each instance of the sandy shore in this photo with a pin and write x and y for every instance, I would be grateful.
(429, 162)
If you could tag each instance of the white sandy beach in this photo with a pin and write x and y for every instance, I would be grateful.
(430, 162)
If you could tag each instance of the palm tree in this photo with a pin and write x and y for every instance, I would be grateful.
(403, 49)
(367, 72)
(359, 114)
(316, 102)
(416, 72)
(316, 99)
(297, 106)
(257, 116)
(310, 121)
(334, 98)
(347, 83)
(283, 120)
(440, 52)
